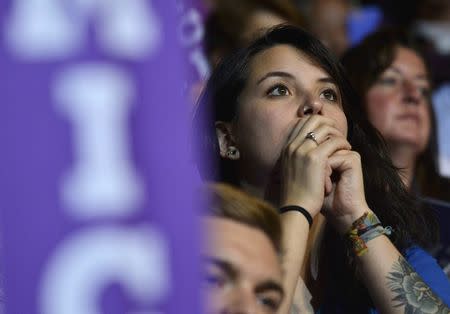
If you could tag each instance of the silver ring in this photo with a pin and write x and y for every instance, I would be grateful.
(312, 136)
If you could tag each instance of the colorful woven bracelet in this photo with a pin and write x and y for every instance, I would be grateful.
(358, 245)
(373, 233)
(360, 232)
(365, 221)
(364, 229)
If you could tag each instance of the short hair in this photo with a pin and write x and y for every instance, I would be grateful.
(225, 201)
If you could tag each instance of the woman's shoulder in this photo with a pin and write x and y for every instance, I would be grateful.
(429, 270)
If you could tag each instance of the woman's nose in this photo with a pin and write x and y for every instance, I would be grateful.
(411, 93)
(311, 107)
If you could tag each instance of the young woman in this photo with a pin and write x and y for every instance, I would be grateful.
(285, 125)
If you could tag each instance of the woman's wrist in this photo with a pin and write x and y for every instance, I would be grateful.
(363, 230)
(298, 209)
(312, 206)
(344, 222)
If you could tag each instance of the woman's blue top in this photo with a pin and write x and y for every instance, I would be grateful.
(427, 268)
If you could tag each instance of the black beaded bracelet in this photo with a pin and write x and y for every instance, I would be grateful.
(297, 209)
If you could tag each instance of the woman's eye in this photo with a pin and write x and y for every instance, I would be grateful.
(330, 95)
(278, 90)
(387, 81)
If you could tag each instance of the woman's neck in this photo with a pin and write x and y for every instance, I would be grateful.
(404, 158)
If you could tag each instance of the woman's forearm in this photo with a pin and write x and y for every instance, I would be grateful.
(393, 284)
(295, 237)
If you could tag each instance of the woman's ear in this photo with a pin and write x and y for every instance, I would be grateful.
(227, 145)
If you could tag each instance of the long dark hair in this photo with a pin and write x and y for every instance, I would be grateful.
(385, 192)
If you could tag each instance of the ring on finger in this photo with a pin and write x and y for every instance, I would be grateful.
(312, 136)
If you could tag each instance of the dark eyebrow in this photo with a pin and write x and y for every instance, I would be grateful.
(225, 266)
(270, 285)
(327, 79)
(277, 74)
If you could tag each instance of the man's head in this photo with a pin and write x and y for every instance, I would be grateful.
(242, 254)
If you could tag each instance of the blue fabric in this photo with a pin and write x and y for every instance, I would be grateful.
(362, 22)
(428, 269)
(441, 251)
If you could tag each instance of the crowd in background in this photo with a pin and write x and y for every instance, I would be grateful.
(340, 25)
(396, 54)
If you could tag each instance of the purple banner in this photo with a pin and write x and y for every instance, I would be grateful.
(96, 181)
(191, 32)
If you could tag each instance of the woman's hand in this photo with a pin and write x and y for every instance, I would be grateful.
(347, 201)
(305, 166)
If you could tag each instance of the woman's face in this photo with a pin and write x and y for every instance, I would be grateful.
(282, 83)
(397, 104)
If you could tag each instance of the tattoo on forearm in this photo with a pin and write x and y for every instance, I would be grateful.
(411, 292)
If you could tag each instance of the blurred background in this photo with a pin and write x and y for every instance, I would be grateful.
(97, 178)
